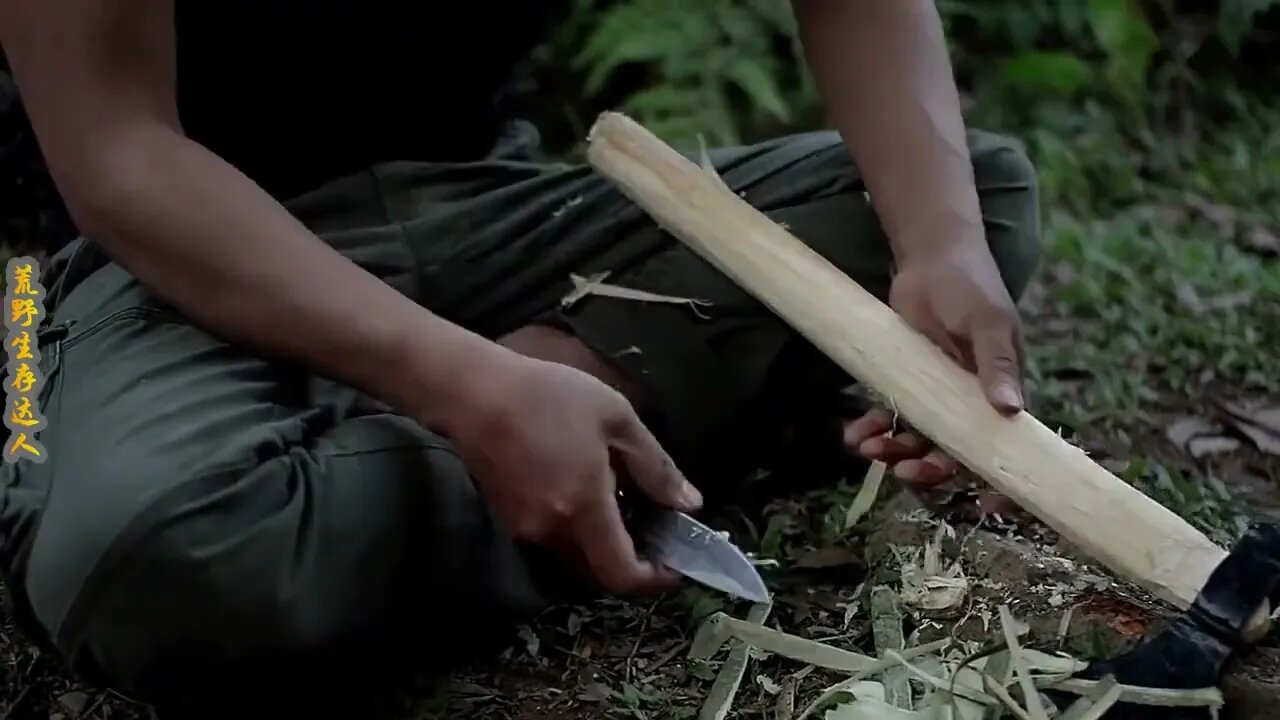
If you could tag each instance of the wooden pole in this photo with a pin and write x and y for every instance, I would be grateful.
(1107, 518)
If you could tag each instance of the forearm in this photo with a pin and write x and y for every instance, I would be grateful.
(883, 70)
(218, 248)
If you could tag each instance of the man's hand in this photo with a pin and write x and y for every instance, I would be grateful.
(543, 441)
(957, 299)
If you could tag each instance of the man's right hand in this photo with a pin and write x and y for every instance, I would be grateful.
(543, 441)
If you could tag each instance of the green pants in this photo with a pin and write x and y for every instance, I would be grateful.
(205, 513)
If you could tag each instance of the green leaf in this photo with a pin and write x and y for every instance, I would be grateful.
(761, 86)
(1126, 36)
(1054, 73)
(1022, 25)
(1073, 19)
(777, 13)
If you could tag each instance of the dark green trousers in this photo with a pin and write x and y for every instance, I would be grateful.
(204, 511)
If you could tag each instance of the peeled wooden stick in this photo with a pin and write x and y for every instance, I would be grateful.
(1106, 517)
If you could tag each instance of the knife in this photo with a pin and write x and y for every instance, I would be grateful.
(701, 554)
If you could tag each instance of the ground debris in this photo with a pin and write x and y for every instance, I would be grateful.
(942, 680)
(1200, 437)
(928, 587)
(1257, 421)
(720, 699)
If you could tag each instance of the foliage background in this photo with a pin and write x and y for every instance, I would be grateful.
(1052, 71)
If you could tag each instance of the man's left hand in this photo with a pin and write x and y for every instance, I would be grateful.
(957, 299)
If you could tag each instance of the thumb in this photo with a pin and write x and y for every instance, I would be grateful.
(997, 355)
(651, 469)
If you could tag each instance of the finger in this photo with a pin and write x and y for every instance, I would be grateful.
(611, 554)
(938, 334)
(996, 354)
(650, 467)
(917, 474)
(934, 468)
(903, 446)
(939, 463)
(876, 422)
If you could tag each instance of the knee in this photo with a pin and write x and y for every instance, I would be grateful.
(163, 598)
(1009, 190)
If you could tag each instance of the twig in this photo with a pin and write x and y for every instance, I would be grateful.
(666, 657)
(639, 638)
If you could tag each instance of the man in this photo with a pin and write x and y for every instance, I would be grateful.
(309, 380)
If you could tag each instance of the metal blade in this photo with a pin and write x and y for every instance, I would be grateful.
(702, 554)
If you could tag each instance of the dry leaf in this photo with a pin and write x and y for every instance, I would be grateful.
(1203, 446)
(1182, 430)
(1263, 240)
(1260, 424)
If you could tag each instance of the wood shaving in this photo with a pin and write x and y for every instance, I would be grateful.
(595, 285)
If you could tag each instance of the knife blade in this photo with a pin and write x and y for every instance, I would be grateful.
(702, 554)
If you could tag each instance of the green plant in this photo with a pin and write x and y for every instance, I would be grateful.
(1206, 503)
(713, 68)
(732, 70)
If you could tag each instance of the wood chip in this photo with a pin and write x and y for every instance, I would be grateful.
(1035, 708)
(720, 698)
(1095, 703)
(595, 285)
(866, 497)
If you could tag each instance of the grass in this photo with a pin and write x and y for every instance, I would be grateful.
(1157, 307)
(1153, 303)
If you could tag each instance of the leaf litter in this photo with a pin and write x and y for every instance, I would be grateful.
(1199, 437)
(1259, 422)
